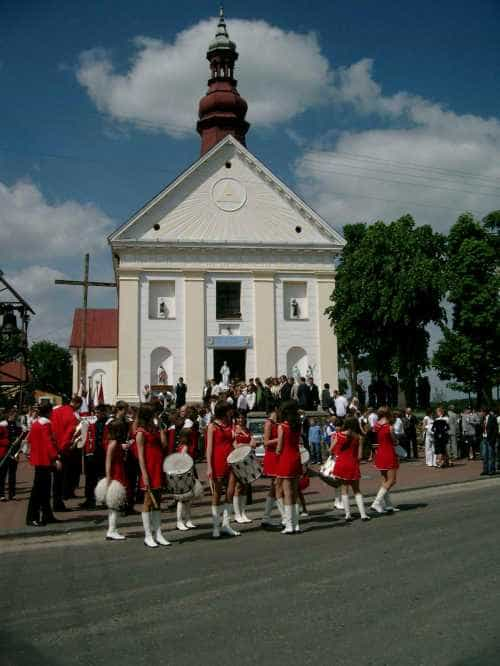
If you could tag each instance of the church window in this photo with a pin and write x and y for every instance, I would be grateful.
(228, 165)
(295, 302)
(162, 299)
(228, 300)
(156, 227)
(298, 229)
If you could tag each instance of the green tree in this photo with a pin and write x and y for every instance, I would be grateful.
(50, 367)
(388, 288)
(469, 352)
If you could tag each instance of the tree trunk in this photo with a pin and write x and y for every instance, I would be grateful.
(353, 374)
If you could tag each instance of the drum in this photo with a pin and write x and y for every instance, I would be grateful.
(305, 456)
(244, 464)
(179, 470)
(80, 436)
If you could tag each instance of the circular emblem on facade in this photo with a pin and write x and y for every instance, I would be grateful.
(229, 194)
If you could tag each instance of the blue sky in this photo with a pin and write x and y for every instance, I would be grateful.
(367, 109)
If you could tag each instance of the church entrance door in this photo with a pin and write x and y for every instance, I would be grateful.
(236, 360)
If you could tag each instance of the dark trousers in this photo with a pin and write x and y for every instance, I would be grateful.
(94, 471)
(411, 444)
(57, 487)
(72, 468)
(39, 504)
(8, 469)
(132, 471)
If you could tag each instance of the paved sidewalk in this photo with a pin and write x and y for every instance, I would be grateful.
(411, 475)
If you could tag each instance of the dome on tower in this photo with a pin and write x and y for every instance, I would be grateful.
(221, 41)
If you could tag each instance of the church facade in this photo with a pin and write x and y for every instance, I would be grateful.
(225, 265)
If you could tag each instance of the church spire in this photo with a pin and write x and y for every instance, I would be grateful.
(222, 111)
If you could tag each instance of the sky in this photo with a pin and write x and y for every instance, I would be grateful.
(368, 110)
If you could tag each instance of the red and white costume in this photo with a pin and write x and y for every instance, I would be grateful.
(43, 449)
(64, 422)
(289, 464)
(385, 453)
(153, 458)
(346, 450)
(4, 439)
(270, 458)
(222, 445)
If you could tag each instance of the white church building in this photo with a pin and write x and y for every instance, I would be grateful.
(225, 264)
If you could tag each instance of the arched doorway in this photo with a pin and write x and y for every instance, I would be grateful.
(162, 367)
(296, 362)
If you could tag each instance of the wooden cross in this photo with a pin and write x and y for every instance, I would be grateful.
(85, 283)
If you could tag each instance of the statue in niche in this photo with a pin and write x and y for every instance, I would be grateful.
(295, 308)
(163, 310)
(162, 376)
(225, 373)
(296, 373)
(310, 371)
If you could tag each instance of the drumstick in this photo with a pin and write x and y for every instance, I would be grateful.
(153, 500)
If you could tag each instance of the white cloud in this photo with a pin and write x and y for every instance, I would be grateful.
(439, 164)
(281, 73)
(32, 227)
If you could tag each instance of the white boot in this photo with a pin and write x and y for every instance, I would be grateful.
(337, 501)
(388, 504)
(295, 518)
(361, 506)
(346, 505)
(156, 524)
(237, 509)
(281, 509)
(266, 518)
(148, 535)
(215, 521)
(244, 517)
(112, 532)
(378, 503)
(180, 521)
(187, 512)
(226, 522)
(288, 511)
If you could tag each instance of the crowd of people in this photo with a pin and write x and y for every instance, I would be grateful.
(124, 447)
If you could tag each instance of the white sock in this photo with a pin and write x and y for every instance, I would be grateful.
(237, 508)
(360, 504)
(379, 499)
(346, 506)
(288, 511)
(215, 520)
(148, 535)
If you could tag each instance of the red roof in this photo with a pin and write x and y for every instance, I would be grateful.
(102, 328)
(12, 372)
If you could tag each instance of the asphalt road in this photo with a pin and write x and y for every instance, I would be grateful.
(419, 587)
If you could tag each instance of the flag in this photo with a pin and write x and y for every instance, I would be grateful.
(100, 395)
(90, 395)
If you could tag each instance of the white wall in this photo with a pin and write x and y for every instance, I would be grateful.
(297, 332)
(167, 333)
(107, 361)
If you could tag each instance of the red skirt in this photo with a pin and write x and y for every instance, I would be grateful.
(118, 470)
(385, 458)
(270, 462)
(154, 466)
(289, 464)
(220, 466)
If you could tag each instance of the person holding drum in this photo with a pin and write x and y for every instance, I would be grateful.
(269, 468)
(289, 464)
(242, 437)
(347, 448)
(151, 443)
(385, 460)
(219, 473)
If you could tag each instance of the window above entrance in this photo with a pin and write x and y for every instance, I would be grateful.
(228, 300)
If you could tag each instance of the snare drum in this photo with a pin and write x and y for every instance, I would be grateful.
(179, 470)
(244, 464)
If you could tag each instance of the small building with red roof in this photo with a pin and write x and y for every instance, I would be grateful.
(102, 352)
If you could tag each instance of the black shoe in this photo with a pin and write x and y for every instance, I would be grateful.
(35, 523)
(61, 508)
(484, 474)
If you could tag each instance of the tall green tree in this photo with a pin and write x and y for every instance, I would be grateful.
(469, 352)
(388, 288)
(50, 367)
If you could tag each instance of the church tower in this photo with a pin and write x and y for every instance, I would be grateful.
(222, 110)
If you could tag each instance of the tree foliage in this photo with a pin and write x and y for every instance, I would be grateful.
(50, 367)
(389, 287)
(469, 351)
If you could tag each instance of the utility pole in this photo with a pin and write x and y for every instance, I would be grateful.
(85, 283)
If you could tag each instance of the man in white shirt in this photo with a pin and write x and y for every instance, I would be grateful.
(340, 404)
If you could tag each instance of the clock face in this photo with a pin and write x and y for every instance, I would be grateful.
(229, 194)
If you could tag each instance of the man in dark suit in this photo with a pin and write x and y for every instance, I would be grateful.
(410, 431)
(286, 390)
(302, 393)
(489, 434)
(180, 393)
(312, 395)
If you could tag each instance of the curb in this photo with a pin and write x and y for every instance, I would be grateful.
(99, 524)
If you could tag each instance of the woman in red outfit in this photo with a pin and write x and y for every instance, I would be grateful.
(385, 460)
(116, 436)
(188, 444)
(151, 444)
(220, 475)
(242, 437)
(289, 466)
(269, 468)
(348, 450)
(44, 456)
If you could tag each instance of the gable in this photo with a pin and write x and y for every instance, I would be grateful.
(228, 197)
